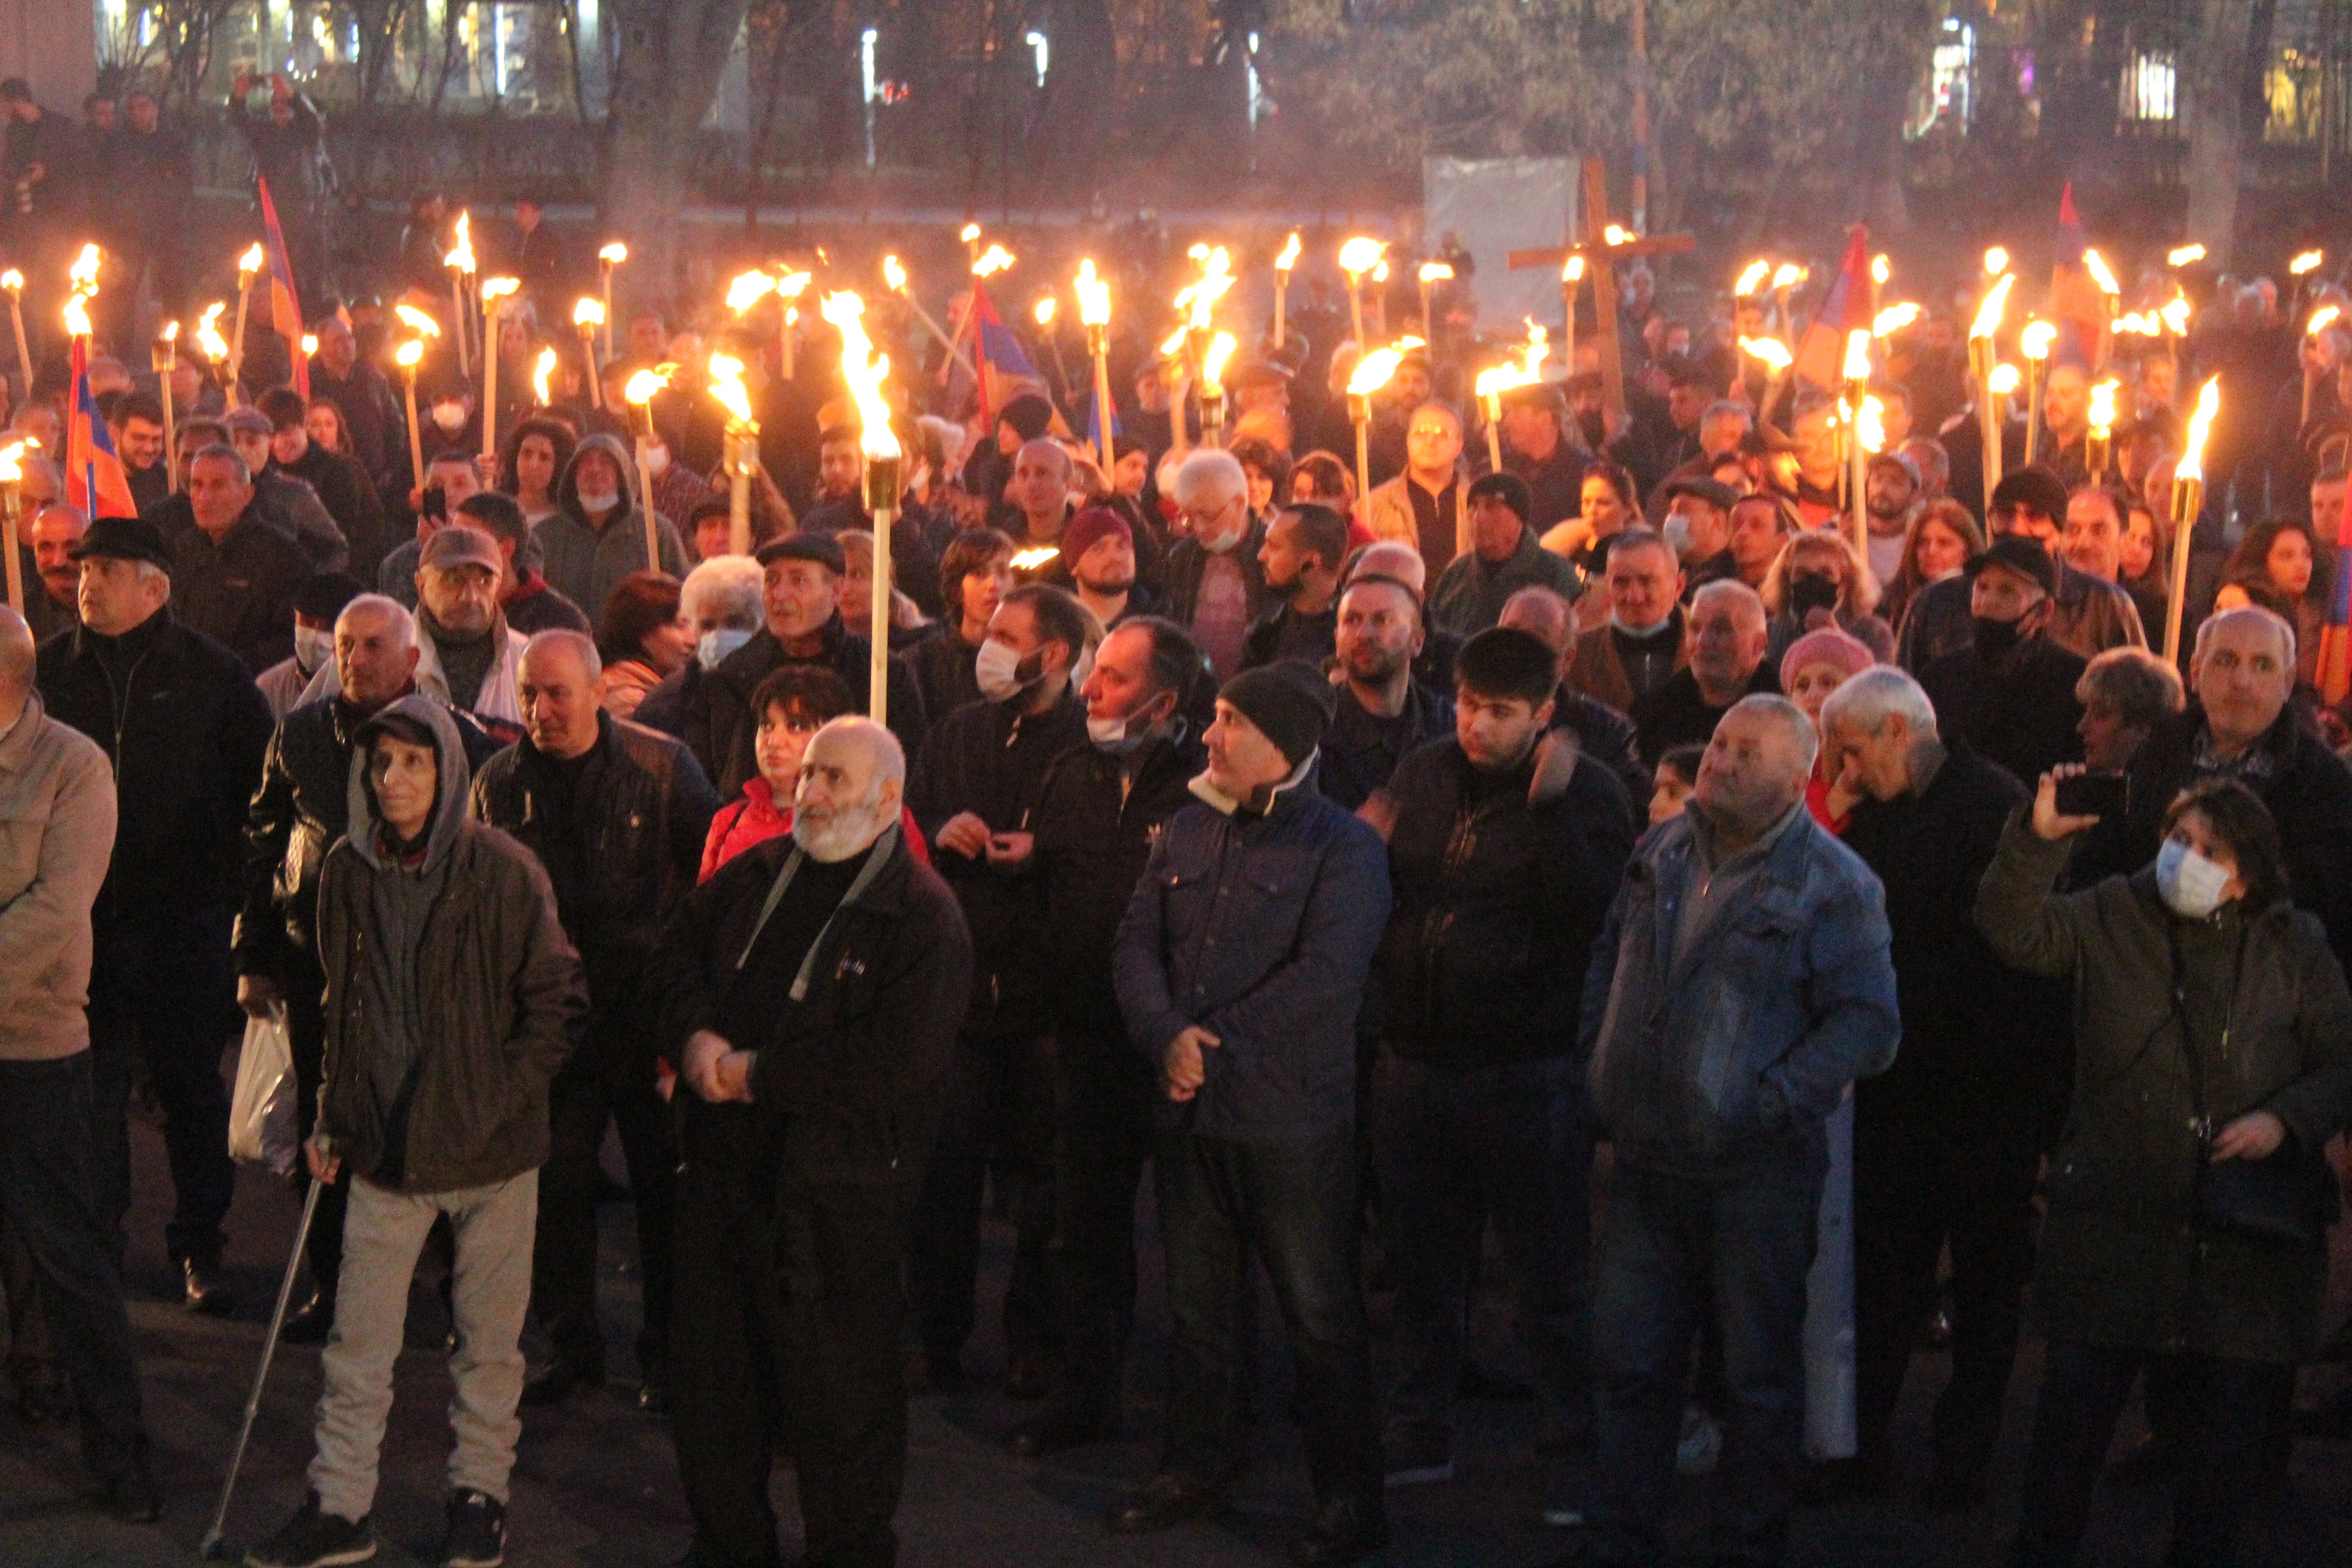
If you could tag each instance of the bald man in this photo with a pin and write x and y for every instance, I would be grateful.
(1432, 667)
(57, 795)
(1039, 494)
(812, 991)
(50, 537)
(618, 814)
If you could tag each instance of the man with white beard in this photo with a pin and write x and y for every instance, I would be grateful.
(812, 994)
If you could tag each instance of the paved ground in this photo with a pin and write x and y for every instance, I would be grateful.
(597, 1485)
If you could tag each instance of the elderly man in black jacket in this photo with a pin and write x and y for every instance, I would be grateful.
(300, 810)
(1240, 965)
(616, 814)
(1504, 848)
(972, 794)
(185, 728)
(1100, 810)
(233, 576)
(812, 988)
(2011, 692)
(1946, 1142)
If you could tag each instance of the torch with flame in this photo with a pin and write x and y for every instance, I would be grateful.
(1433, 273)
(209, 342)
(2184, 256)
(2187, 502)
(864, 372)
(1282, 265)
(638, 393)
(1491, 385)
(495, 292)
(460, 262)
(608, 258)
(748, 289)
(1983, 362)
(2034, 343)
(1094, 311)
(1212, 387)
(1372, 372)
(13, 282)
(12, 475)
(1752, 279)
(1853, 394)
(894, 276)
(2305, 263)
(1357, 257)
(2097, 442)
(542, 373)
(587, 315)
(407, 356)
(246, 266)
(1996, 262)
(1894, 319)
(726, 383)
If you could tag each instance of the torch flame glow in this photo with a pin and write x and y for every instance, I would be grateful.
(894, 275)
(1881, 269)
(588, 312)
(1752, 279)
(1212, 364)
(2036, 340)
(2307, 262)
(2322, 319)
(11, 470)
(790, 284)
(1373, 371)
(1988, 320)
(614, 254)
(2096, 266)
(83, 273)
(2184, 255)
(461, 255)
(1036, 555)
(208, 338)
(1045, 310)
(1174, 345)
(1290, 257)
(2175, 316)
(969, 233)
(1538, 348)
(1996, 261)
(12, 280)
(309, 343)
(1573, 270)
(251, 262)
(1869, 425)
(1094, 296)
(1380, 271)
(1771, 350)
(726, 385)
(1358, 255)
(1857, 355)
(2145, 323)
(171, 331)
(1198, 298)
(2193, 455)
(992, 260)
(418, 321)
(540, 373)
(748, 289)
(77, 319)
(1894, 319)
(2103, 404)
(496, 289)
(1436, 271)
(409, 352)
(864, 372)
(2004, 380)
(1786, 278)
(1615, 234)
(645, 383)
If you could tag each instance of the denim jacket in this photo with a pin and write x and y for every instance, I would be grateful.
(1260, 928)
(1738, 1051)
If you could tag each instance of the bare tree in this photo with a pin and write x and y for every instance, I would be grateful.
(663, 82)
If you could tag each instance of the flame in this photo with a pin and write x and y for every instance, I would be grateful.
(1290, 257)
(208, 338)
(1869, 425)
(645, 383)
(1752, 279)
(461, 255)
(1380, 271)
(11, 470)
(1988, 320)
(540, 375)
(418, 321)
(1615, 234)
(2036, 340)
(1786, 278)
(251, 262)
(1174, 345)
(83, 273)
(2103, 404)
(864, 371)
(171, 333)
(971, 232)
(2307, 262)
(748, 289)
(2322, 319)
(1538, 348)
(2175, 315)
(2184, 255)
(2147, 323)
(1502, 378)
(614, 254)
(726, 385)
(894, 275)
(1094, 296)
(1212, 364)
(77, 319)
(2004, 380)
(1881, 270)
(1996, 261)
(2096, 266)
(2193, 455)
(1857, 355)
(1894, 319)
(993, 261)
(1436, 271)
(790, 284)
(409, 352)
(1572, 270)
(1358, 255)
(1029, 560)
(12, 280)
(1771, 350)
(496, 289)
(1045, 310)
(588, 312)
(1373, 371)
(310, 342)
(1215, 278)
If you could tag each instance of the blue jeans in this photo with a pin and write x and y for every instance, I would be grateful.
(1454, 1149)
(48, 1192)
(2230, 1417)
(1292, 1206)
(1674, 1248)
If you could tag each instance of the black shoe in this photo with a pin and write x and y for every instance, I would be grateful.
(309, 1323)
(314, 1540)
(1170, 1499)
(1344, 1530)
(477, 1536)
(129, 1494)
(207, 1288)
(558, 1384)
(1065, 1424)
(1027, 1377)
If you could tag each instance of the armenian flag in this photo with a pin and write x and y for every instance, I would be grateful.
(285, 304)
(1000, 355)
(2076, 301)
(1820, 358)
(95, 480)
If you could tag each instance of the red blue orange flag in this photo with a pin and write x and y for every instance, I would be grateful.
(2076, 301)
(285, 304)
(2335, 636)
(1820, 358)
(1000, 355)
(95, 480)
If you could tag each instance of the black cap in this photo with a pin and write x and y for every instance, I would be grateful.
(1289, 701)
(1712, 491)
(821, 548)
(124, 539)
(1509, 489)
(2036, 487)
(2022, 554)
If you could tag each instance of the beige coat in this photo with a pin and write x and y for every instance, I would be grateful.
(57, 836)
(1389, 514)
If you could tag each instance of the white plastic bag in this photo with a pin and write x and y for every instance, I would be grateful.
(261, 1119)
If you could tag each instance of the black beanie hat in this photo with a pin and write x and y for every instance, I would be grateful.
(1028, 414)
(1289, 701)
(1509, 489)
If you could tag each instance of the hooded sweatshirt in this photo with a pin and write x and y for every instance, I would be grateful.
(400, 904)
(585, 561)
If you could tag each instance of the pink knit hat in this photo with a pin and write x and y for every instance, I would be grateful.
(1827, 645)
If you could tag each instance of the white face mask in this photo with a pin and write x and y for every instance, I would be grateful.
(1678, 533)
(715, 646)
(599, 502)
(450, 416)
(656, 461)
(312, 647)
(2189, 884)
(996, 669)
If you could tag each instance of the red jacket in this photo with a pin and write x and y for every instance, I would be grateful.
(755, 819)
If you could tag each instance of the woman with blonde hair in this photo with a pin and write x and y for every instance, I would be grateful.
(909, 625)
(1819, 580)
(1942, 540)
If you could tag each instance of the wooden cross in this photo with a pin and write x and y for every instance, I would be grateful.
(1600, 260)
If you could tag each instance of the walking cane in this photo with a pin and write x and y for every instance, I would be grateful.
(211, 1542)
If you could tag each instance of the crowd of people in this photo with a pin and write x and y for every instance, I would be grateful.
(1763, 943)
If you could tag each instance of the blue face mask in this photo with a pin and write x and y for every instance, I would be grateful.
(715, 646)
(2189, 884)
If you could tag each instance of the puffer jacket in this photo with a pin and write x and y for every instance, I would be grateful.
(2125, 1259)
(501, 994)
(1740, 1050)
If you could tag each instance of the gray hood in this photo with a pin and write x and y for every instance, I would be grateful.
(449, 799)
(567, 485)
